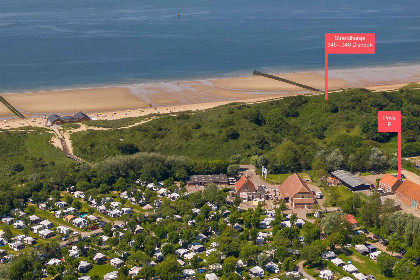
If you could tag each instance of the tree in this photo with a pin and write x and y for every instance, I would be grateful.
(69, 199)
(312, 254)
(169, 268)
(21, 265)
(394, 246)
(107, 228)
(334, 160)
(233, 170)
(259, 161)
(263, 259)
(288, 264)
(402, 269)
(377, 160)
(335, 239)
(388, 206)
(311, 232)
(415, 274)
(138, 258)
(386, 263)
(147, 272)
(77, 204)
(231, 133)
(234, 276)
(229, 265)
(236, 158)
(275, 121)
(336, 222)
(196, 261)
(213, 194)
(31, 209)
(7, 233)
(288, 157)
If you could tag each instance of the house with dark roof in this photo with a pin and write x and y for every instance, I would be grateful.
(204, 180)
(389, 183)
(409, 193)
(244, 185)
(55, 119)
(352, 182)
(296, 191)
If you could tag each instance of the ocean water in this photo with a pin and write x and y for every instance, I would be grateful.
(46, 44)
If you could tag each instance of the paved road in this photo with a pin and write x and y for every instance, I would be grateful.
(301, 270)
(249, 170)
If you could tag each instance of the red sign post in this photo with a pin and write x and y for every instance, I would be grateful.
(347, 43)
(390, 121)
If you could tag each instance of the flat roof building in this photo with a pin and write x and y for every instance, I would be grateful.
(203, 180)
(352, 182)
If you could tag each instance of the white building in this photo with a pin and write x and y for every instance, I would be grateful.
(79, 222)
(374, 255)
(63, 230)
(350, 268)
(53, 261)
(116, 262)
(338, 262)
(111, 276)
(360, 276)
(256, 271)
(46, 233)
(16, 246)
(211, 276)
(326, 274)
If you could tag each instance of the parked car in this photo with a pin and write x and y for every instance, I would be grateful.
(384, 241)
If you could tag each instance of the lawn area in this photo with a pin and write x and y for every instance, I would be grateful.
(101, 270)
(342, 193)
(279, 178)
(364, 264)
(57, 222)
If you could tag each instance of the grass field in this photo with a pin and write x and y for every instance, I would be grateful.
(28, 153)
(364, 264)
(101, 270)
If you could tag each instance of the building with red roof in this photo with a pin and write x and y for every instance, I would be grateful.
(244, 185)
(352, 220)
(389, 183)
(409, 193)
(296, 191)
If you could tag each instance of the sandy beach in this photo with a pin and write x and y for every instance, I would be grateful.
(141, 99)
(156, 95)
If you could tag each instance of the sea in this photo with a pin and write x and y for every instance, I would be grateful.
(57, 44)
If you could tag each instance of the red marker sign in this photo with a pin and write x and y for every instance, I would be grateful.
(347, 43)
(390, 121)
